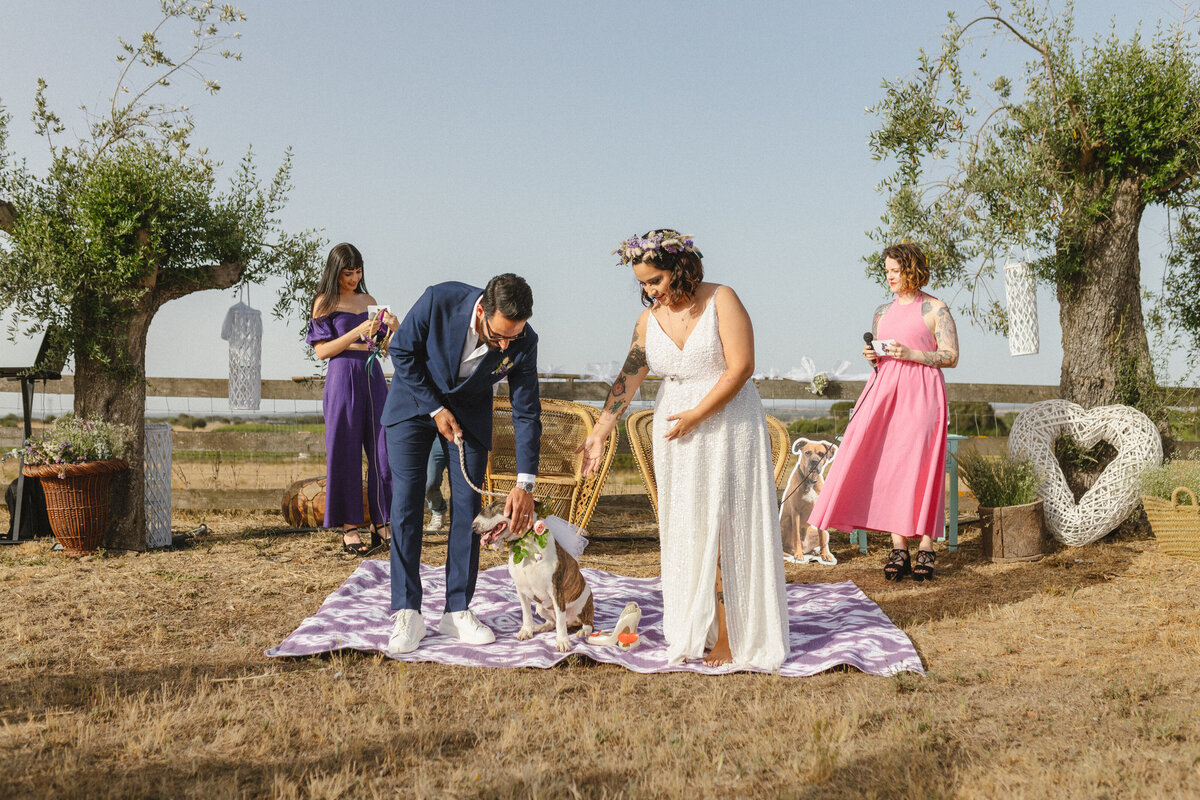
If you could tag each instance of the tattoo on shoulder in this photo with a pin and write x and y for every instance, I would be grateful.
(926, 306)
(879, 312)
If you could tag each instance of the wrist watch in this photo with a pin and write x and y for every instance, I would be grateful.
(525, 486)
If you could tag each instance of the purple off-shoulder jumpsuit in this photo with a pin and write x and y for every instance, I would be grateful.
(352, 403)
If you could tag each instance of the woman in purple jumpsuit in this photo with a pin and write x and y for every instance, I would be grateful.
(355, 392)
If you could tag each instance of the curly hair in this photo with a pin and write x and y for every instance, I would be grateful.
(685, 266)
(914, 270)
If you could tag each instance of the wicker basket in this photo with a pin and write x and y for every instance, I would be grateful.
(77, 502)
(1177, 527)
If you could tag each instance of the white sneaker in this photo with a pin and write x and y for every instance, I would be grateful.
(466, 627)
(408, 629)
(435, 521)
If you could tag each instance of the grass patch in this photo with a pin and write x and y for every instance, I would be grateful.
(143, 675)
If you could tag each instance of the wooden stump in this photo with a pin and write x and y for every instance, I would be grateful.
(1014, 533)
(303, 503)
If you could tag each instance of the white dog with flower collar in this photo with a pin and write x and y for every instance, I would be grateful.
(543, 566)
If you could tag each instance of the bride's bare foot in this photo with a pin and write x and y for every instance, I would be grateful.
(720, 655)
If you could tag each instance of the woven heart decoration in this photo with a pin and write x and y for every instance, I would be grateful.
(1115, 493)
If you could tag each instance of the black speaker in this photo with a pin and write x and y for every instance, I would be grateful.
(35, 522)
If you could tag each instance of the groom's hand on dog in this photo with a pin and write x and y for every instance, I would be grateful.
(518, 507)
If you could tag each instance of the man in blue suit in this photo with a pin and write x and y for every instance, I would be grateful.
(454, 345)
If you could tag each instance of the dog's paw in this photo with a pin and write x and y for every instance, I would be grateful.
(562, 645)
(524, 634)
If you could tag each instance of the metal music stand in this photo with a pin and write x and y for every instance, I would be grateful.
(40, 370)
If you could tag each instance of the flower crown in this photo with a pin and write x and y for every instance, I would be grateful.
(667, 240)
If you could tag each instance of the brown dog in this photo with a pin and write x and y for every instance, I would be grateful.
(802, 542)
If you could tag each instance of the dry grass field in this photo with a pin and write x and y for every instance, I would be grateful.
(143, 675)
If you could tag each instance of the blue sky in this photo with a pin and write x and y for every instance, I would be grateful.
(457, 140)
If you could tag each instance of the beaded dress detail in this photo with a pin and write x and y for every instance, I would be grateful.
(716, 497)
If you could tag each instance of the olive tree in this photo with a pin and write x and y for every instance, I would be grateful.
(1060, 160)
(129, 217)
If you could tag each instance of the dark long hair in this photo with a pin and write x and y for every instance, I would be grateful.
(687, 271)
(342, 256)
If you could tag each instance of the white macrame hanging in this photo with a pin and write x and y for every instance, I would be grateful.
(158, 484)
(243, 330)
(1020, 293)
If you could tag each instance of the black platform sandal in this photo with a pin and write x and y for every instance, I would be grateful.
(381, 541)
(923, 571)
(897, 565)
(359, 548)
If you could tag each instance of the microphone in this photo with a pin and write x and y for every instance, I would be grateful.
(869, 337)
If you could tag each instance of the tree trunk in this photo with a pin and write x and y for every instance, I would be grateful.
(112, 385)
(120, 397)
(1106, 357)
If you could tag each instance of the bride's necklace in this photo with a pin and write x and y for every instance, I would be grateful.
(683, 319)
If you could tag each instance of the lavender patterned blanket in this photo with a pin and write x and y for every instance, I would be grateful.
(831, 624)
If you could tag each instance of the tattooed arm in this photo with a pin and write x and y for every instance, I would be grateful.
(617, 403)
(940, 322)
(868, 352)
(879, 312)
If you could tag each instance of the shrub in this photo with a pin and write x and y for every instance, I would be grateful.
(1161, 481)
(999, 481)
(75, 441)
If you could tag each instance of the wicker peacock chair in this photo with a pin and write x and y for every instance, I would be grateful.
(560, 486)
(640, 427)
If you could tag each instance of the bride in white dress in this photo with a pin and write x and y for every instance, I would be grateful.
(718, 515)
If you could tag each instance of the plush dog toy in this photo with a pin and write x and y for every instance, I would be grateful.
(543, 566)
(802, 543)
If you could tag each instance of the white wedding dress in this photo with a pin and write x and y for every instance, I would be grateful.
(716, 496)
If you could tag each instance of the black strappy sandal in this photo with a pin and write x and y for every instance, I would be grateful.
(923, 571)
(897, 566)
(359, 548)
(381, 541)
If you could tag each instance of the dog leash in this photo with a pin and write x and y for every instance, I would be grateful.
(462, 464)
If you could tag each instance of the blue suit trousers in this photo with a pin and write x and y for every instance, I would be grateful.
(408, 445)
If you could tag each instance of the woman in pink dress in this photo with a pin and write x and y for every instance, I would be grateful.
(889, 473)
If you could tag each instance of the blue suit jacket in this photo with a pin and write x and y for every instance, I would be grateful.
(425, 355)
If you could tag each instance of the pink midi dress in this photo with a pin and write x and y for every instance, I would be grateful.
(890, 470)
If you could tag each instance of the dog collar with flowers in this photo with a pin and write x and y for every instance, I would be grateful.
(520, 547)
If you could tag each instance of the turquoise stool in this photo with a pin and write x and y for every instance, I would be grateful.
(859, 536)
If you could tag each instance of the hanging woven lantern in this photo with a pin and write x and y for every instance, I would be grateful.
(1020, 292)
(243, 330)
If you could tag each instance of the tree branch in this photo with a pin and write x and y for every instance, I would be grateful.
(175, 282)
(8, 216)
(1183, 178)
(1044, 51)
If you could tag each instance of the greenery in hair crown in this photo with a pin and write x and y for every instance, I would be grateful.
(667, 240)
